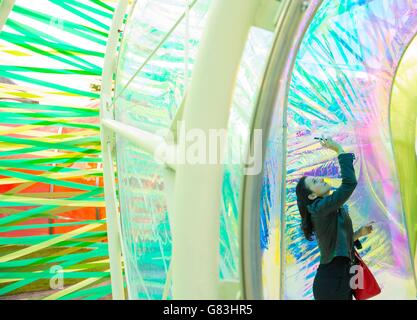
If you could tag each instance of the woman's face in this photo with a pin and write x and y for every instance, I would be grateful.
(318, 187)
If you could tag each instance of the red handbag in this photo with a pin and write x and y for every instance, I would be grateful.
(370, 286)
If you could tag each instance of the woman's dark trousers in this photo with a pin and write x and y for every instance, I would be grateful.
(332, 280)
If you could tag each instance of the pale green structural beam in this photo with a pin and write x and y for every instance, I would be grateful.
(403, 117)
(107, 144)
(146, 141)
(6, 7)
(196, 207)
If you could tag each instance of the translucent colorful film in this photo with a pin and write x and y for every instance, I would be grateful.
(341, 86)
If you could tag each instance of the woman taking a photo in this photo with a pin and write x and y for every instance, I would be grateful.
(325, 215)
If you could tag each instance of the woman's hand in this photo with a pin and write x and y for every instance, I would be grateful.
(329, 143)
(364, 230)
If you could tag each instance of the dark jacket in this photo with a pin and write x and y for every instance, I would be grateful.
(330, 217)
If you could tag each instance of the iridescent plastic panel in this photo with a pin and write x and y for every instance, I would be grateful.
(341, 87)
(245, 96)
(148, 96)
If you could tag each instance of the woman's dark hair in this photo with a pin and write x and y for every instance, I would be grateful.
(303, 201)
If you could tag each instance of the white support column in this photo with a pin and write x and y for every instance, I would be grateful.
(5, 9)
(107, 143)
(196, 214)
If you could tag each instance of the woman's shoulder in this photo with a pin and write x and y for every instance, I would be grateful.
(314, 207)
